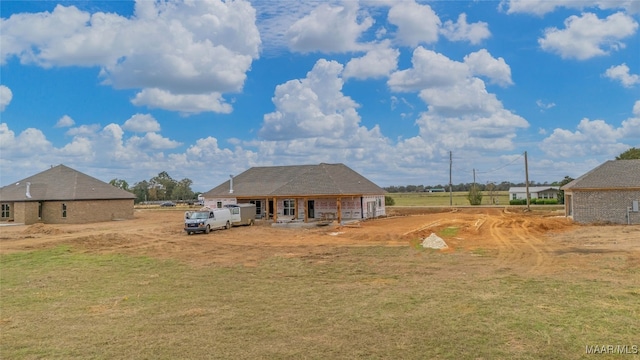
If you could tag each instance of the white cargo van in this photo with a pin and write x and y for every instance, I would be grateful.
(205, 220)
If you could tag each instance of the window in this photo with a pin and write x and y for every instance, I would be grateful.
(514, 196)
(6, 211)
(40, 210)
(219, 204)
(289, 207)
(64, 210)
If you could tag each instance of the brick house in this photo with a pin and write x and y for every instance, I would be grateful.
(609, 193)
(62, 195)
(302, 192)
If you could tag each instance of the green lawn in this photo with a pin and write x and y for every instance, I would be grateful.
(360, 302)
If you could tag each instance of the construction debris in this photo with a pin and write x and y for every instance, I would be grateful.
(433, 241)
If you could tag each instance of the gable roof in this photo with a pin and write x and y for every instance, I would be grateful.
(533, 189)
(62, 183)
(322, 179)
(613, 174)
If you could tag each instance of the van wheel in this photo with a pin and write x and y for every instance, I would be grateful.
(228, 226)
(189, 233)
(207, 229)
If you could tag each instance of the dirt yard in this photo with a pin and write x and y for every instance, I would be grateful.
(532, 243)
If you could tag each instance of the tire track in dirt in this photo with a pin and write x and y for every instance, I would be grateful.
(506, 250)
(518, 246)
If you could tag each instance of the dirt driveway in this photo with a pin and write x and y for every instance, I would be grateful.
(534, 242)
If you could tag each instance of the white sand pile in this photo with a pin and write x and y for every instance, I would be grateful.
(433, 241)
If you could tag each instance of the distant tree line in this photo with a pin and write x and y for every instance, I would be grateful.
(503, 186)
(632, 153)
(158, 188)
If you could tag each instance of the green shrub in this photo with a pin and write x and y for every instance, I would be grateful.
(388, 201)
(475, 196)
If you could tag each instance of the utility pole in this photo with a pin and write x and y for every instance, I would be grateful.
(526, 178)
(450, 184)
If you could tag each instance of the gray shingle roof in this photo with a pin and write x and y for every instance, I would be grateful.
(62, 183)
(322, 179)
(613, 174)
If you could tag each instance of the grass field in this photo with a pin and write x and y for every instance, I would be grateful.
(443, 199)
(60, 304)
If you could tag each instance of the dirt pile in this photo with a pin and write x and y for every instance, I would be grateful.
(433, 241)
(37, 229)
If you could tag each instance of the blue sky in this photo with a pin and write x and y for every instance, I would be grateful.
(206, 89)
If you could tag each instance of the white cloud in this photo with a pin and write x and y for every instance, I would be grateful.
(495, 131)
(630, 128)
(621, 73)
(463, 31)
(378, 62)
(417, 24)
(544, 106)
(311, 107)
(79, 148)
(184, 103)
(429, 69)
(152, 140)
(5, 97)
(483, 64)
(65, 121)
(591, 138)
(329, 29)
(181, 48)
(466, 97)
(29, 143)
(541, 7)
(461, 112)
(83, 130)
(587, 36)
(141, 123)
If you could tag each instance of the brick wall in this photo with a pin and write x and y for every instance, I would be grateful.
(79, 212)
(604, 206)
(25, 212)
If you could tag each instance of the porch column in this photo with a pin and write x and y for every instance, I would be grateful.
(339, 203)
(306, 210)
(266, 208)
(295, 208)
(275, 210)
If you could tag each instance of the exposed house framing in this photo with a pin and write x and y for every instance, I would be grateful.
(302, 192)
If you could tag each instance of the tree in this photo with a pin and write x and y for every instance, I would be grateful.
(120, 184)
(182, 190)
(141, 191)
(475, 195)
(161, 186)
(633, 153)
(491, 189)
(565, 181)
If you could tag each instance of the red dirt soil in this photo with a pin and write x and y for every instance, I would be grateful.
(528, 242)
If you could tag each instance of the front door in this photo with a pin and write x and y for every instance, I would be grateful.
(310, 209)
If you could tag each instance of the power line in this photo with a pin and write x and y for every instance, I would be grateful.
(503, 166)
